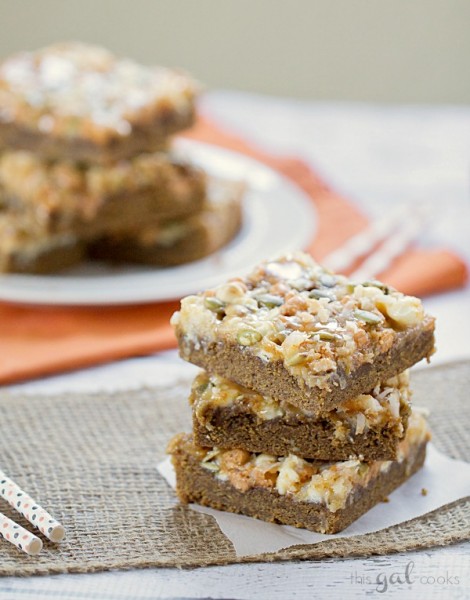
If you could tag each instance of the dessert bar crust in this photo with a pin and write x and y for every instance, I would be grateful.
(196, 484)
(56, 256)
(271, 378)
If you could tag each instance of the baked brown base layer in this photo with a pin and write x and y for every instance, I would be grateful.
(229, 428)
(196, 484)
(124, 212)
(152, 138)
(238, 364)
(205, 233)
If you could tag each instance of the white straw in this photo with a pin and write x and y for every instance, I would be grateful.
(20, 537)
(363, 242)
(30, 509)
(393, 247)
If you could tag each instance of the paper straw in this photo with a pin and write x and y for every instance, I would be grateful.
(30, 509)
(20, 537)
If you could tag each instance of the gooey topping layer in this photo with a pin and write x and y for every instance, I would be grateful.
(80, 90)
(383, 407)
(325, 483)
(293, 310)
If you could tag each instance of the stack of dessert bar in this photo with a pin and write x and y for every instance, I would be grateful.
(86, 168)
(302, 415)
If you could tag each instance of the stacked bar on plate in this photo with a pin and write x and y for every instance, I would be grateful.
(302, 415)
(86, 167)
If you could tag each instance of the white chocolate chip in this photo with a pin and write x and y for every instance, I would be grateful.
(406, 311)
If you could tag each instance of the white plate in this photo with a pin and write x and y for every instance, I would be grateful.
(278, 218)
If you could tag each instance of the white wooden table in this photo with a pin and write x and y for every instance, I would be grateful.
(378, 156)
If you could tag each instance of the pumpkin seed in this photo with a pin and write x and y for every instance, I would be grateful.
(378, 284)
(269, 300)
(202, 388)
(328, 280)
(317, 294)
(248, 337)
(368, 317)
(214, 304)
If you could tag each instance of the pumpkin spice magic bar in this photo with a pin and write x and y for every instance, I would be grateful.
(368, 427)
(51, 212)
(324, 497)
(88, 200)
(79, 102)
(293, 331)
(27, 246)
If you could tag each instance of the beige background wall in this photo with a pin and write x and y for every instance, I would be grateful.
(372, 50)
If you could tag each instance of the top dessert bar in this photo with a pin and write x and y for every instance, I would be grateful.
(298, 333)
(80, 102)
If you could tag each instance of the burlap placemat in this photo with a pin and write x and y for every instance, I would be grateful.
(91, 459)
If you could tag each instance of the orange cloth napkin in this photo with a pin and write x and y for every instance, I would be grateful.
(37, 341)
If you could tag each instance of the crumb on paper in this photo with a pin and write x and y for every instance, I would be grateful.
(386, 499)
(424, 492)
